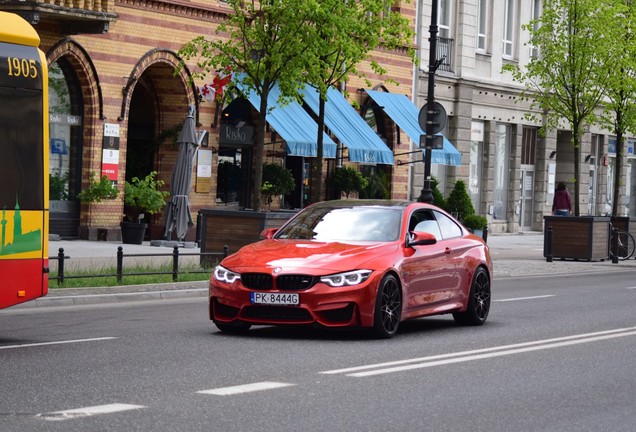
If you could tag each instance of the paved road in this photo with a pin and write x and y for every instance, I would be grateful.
(556, 355)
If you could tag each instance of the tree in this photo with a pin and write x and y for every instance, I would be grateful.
(568, 79)
(267, 42)
(619, 112)
(347, 179)
(343, 34)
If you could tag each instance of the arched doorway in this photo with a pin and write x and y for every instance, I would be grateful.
(155, 106)
(65, 167)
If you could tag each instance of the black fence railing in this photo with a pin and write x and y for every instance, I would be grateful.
(61, 257)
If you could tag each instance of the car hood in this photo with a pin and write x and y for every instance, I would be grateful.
(292, 256)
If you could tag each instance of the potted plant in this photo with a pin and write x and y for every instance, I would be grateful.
(347, 179)
(475, 223)
(277, 180)
(141, 197)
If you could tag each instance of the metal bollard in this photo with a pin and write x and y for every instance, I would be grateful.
(120, 264)
(60, 266)
(175, 263)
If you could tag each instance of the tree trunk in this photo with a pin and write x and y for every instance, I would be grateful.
(259, 146)
(316, 166)
(576, 138)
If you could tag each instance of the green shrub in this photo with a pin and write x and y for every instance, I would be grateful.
(475, 222)
(277, 180)
(142, 196)
(347, 180)
(459, 203)
(98, 190)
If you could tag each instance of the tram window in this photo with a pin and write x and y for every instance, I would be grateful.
(21, 137)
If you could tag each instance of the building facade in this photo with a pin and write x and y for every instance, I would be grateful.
(510, 168)
(119, 98)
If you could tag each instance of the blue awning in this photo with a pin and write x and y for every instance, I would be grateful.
(293, 124)
(346, 124)
(405, 114)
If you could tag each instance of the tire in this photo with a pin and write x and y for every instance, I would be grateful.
(625, 245)
(388, 308)
(478, 301)
(233, 327)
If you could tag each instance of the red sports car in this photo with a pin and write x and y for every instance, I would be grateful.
(356, 263)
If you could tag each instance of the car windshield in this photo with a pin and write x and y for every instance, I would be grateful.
(379, 224)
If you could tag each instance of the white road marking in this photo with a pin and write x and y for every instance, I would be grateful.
(442, 359)
(246, 388)
(524, 298)
(88, 411)
(56, 343)
(634, 287)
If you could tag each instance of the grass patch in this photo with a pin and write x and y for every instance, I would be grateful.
(131, 275)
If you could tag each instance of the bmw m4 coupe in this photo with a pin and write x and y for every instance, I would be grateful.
(355, 263)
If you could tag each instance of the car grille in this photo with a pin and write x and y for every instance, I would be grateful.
(295, 282)
(265, 282)
(257, 281)
(277, 313)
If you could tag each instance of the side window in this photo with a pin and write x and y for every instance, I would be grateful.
(424, 221)
(448, 227)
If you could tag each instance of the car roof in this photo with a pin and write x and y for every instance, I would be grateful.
(362, 203)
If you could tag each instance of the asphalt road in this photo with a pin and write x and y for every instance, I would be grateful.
(557, 354)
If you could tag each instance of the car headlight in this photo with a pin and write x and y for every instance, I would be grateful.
(224, 275)
(346, 279)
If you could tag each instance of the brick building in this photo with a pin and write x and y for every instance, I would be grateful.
(118, 100)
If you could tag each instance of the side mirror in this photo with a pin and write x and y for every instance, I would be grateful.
(417, 238)
(268, 233)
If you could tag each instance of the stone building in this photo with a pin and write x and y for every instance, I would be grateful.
(511, 170)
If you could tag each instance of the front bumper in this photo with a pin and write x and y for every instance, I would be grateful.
(321, 304)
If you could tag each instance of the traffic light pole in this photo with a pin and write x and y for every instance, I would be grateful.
(427, 194)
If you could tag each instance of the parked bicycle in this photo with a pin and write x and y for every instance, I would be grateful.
(622, 244)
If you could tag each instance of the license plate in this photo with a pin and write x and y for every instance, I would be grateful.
(275, 299)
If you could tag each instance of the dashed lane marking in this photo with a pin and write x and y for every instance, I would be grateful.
(88, 411)
(31, 345)
(246, 388)
(524, 298)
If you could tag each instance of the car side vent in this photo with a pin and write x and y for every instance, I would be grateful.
(257, 281)
(295, 282)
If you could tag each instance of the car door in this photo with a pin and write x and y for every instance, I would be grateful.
(428, 271)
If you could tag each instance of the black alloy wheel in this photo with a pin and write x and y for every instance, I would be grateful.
(388, 308)
(478, 301)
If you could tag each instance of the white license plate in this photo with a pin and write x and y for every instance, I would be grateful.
(275, 298)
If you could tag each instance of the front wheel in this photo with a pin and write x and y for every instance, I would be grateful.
(478, 301)
(388, 308)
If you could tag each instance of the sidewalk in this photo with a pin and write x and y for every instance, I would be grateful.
(514, 255)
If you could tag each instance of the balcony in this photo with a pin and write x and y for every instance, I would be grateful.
(445, 53)
(73, 16)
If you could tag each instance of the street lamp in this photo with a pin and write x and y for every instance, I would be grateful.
(432, 115)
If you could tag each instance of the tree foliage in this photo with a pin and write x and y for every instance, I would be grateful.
(266, 42)
(344, 33)
(619, 114)
(347, 179)
(568, 79)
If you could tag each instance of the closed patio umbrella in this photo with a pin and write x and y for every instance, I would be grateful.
(177, 215)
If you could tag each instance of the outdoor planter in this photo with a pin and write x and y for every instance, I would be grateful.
(576, 237)
(235, 228)
(133, 232)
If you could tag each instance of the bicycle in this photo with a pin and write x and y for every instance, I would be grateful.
(622, 245)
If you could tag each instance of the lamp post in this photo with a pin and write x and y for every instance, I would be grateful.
(427, 194)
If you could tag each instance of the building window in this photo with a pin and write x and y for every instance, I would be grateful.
(482, 25)
(502, 145)
(509, 29)
(536, 14)
(444, 18)
(476, 158)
